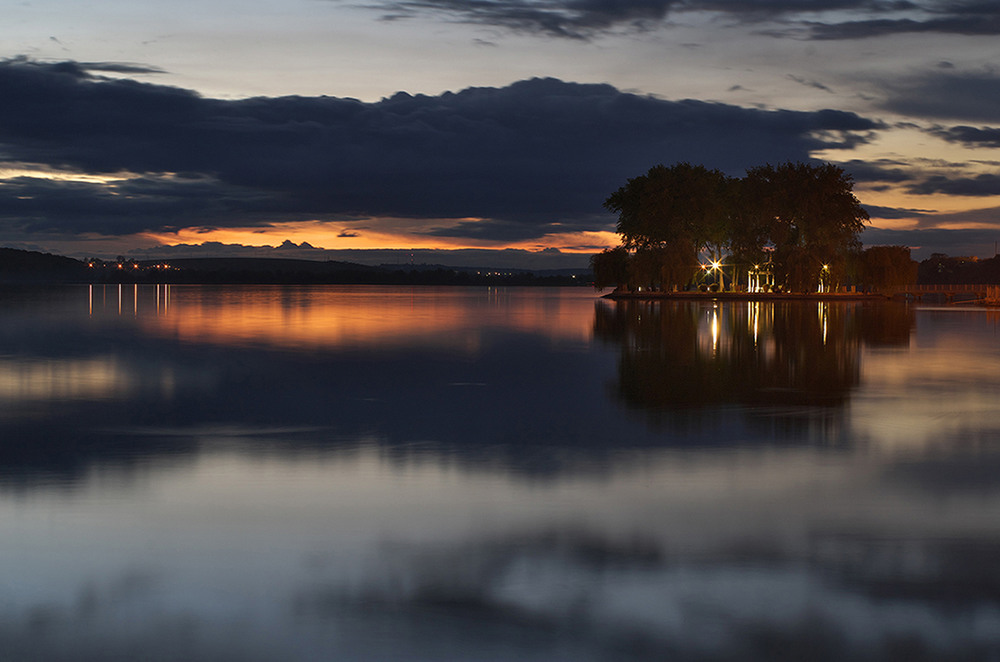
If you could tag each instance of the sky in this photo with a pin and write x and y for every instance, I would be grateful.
(158, 129)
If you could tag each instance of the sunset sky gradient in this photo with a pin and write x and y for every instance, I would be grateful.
(148, 129)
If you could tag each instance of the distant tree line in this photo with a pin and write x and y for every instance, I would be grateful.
(18, 266)
(941, 269)
(29, 266)
(797, 222)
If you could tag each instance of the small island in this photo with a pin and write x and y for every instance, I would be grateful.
(785, 231)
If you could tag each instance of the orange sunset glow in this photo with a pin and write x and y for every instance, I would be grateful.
(336, 236)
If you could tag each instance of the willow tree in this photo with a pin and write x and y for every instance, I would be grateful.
(610, 267)
(882, 267)
(670, 214)
(811, 218)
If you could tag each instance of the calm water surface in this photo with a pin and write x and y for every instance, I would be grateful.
(333, 473)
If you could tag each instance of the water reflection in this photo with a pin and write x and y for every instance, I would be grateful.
(790, 368)
(320, 318)
(25, 382)
(678, 355)
(299, 367)
(249, 487)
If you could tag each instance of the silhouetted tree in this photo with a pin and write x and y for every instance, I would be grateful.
(750, 224)
(668, 203)
(811, 216)
(610, 267)
(674, 211)
(803, 218)
(887, 266)
(678, 265)
(645, 266)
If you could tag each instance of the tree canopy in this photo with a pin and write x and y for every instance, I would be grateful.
(802, 219)
(887, 266)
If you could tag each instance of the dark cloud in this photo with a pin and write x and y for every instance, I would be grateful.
(511, 231)
(960, 25)
(980, 185)
(942, 94)
(586, 19)
(523, 158)
(877, 212)
(778, 6)
(968, 135)
(959, 17)
(756, 10)
(919, 182)
(33, 204)
(809, 83)
(576, 19)
(933, 233)
(985, 219)
(83, 69)
(880, 170)
(121, 68)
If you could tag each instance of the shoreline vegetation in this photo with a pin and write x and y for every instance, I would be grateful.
(984, 294)
(29, 267)
(745, 296)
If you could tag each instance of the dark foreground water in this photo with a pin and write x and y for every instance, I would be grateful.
(472, 474)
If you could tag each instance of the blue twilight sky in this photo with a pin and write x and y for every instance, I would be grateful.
(130, 127)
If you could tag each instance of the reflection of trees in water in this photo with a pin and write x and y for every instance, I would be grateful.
(684, 355)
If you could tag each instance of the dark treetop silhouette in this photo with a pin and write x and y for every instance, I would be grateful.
(802, 220)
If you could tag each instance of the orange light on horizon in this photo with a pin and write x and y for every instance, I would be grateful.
(333, 236)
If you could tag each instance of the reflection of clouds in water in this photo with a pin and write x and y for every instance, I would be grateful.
(632, 602)
(127, 617)
(971, 475)
(754, 555)
(24, 381)
(943, 392)
(927, 413)
(263, 502)
(552, 596)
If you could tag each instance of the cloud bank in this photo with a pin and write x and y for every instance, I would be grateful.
(116, 156)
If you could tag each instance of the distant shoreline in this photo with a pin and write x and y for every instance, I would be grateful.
(18, 266)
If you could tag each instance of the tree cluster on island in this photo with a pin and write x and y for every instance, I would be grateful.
(793, 227)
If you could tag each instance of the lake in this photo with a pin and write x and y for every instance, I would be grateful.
(366, 473)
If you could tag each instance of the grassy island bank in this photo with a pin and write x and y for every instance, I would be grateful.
(745, 296)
